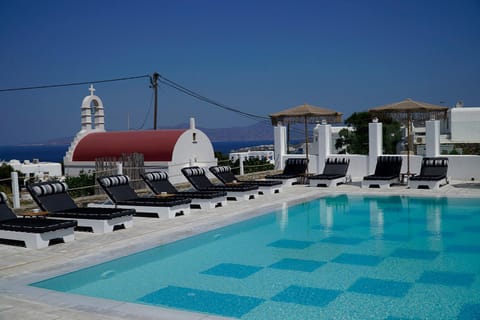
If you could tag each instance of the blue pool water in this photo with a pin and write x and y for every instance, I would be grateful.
(339, 257)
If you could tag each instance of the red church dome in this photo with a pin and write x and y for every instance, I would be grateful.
(155, 145)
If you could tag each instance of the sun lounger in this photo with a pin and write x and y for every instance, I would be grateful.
(122, 195)
(387, 172)
(35, 233)
(294, 169)
(432, 174)
(160, 185)
(334, 173)
(197, 177)
(53, 197)
(226, 176)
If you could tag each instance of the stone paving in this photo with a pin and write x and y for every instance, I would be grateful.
(20, 266)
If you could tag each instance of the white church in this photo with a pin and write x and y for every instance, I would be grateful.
(169, 150)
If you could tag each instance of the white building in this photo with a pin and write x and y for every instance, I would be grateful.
(37, 169)
(169, 150)
(464, 124)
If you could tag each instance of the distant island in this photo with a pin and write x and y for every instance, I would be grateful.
(260, 131)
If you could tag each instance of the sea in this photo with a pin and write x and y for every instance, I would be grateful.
(55, 153)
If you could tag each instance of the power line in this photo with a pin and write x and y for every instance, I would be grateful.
(147, 113)
(73, 84)
(161, 79)
(198, 96)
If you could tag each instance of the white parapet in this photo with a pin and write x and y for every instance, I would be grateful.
(280, 145)
(375, 142)
(432, 138)
(323, 134)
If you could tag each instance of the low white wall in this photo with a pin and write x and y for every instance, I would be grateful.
(460, 167)
(358, 167)
(465, 168)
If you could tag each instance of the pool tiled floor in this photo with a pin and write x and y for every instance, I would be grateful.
(381, 287)
(20, 266)
(291, 244)
(202, 301)
(231, 270)
(447, 278)
(306, 296)
(297, 265)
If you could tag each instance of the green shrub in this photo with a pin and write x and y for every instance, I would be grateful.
(251, 165)
(5, 175)
(85, 183)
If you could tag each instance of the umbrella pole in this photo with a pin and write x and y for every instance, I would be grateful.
(409, 123)
(288, 137)
(306, 140)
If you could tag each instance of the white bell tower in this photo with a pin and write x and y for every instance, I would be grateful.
(92, 103)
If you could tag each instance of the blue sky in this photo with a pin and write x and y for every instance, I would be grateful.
(256, 56)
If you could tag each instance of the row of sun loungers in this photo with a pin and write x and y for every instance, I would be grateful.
(387, 172)
(60, 215)
(159, 184)
(64, 215)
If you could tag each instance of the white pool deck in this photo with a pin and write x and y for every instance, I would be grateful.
(20, 266)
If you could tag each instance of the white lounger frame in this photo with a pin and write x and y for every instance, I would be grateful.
(270, 189)
(288, 182)
(102, 225)
(38, 240)
(241, 195)
(161, 212)
(209, 203)
(383, 184)
(329, 183)
(430, 184)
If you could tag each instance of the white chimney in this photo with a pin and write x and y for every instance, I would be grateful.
(192, 123)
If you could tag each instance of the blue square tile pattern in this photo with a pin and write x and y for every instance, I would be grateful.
(307, 296)
(227, 305)
(297, 265)
(396, 237)
(458, 217)
(447, 278)
(231, 270)
(415, 254)
(472, 228)
(442, 234)
(342, 240)
(380, 287)
(470, 311)
(463, 249)
(358, 259)
(412, 220)
(370, 224)
(335, 227)
(290, 244)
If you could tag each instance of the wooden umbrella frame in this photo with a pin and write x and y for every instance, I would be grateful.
(410, 110)
(306, 113)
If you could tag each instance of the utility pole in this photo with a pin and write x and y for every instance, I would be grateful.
(154, 85)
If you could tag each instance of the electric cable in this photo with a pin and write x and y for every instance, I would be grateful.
(48, 86)
(198, 96)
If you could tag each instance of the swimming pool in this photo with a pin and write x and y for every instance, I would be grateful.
(339, 257)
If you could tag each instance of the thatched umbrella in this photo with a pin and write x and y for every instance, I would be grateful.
(307, 114)
(409, 110)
